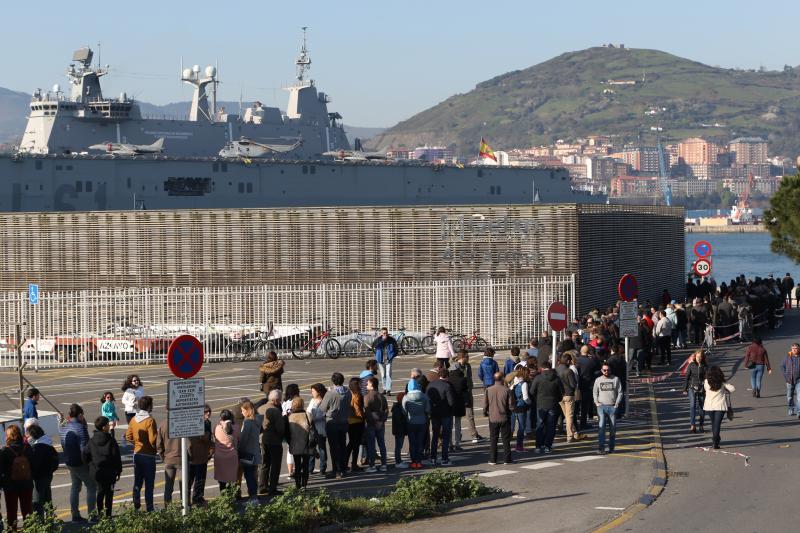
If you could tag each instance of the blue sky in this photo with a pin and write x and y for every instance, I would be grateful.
(380, 61)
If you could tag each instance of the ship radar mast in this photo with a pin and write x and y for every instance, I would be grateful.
(200, 79)
(303, 61)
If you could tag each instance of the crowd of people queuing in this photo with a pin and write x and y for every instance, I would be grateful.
(529, 397)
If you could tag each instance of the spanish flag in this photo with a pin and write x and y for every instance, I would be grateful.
(486, 151)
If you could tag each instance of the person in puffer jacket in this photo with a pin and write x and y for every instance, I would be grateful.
(444, 347)
(487, 368)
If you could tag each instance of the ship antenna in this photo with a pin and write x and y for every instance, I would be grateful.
(303, 61)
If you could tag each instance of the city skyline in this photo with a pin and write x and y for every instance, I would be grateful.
(380, 64)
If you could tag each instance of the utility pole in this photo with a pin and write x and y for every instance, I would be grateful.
(20, 366)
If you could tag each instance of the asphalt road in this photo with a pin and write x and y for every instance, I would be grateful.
(594, 488)
(713, 492)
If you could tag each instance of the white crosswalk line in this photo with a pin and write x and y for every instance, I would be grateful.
(496, 473)
(583, 458)
(537, 466)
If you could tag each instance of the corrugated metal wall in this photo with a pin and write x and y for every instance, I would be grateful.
(237, 247)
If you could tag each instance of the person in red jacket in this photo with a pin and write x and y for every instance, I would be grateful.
(756, 359)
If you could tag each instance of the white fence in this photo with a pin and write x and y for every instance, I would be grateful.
(133, 326)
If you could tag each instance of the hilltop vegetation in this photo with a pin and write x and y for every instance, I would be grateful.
(569, 96)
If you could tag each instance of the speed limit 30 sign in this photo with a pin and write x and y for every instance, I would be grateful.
(702, 267)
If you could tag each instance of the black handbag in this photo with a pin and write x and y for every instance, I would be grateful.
(246, 458)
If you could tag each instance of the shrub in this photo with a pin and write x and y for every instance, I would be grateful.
(295, 510)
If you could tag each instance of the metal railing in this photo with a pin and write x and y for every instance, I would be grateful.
(135, 326)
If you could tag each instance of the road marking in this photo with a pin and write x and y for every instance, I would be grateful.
(537, 466)
(497, 473)
(610, 508)
(583, 458)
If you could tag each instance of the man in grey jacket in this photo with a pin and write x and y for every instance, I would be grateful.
(607, 393)
(336, 406)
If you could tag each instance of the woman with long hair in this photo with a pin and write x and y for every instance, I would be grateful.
(299, 430)
(132, 389)
(693, 387)
(355, 428)
(249, 449)
(717, 400)
(444, 347)
(292, 391)
(317, 418)
(18, 490)
(226, 457)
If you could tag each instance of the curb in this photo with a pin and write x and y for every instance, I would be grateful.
(440, 509)
(658, 481)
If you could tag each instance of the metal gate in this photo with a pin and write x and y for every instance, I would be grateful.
(135, 326)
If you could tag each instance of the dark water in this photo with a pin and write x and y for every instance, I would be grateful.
(740, 253)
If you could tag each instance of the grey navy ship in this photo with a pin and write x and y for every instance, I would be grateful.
(83, 151)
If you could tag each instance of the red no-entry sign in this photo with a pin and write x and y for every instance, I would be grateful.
(185, 356)
(557, 316)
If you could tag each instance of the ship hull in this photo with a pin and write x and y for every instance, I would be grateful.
(80, 183)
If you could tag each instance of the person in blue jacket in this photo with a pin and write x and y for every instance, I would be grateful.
(385, 347)
(487, 368)
(29, 408)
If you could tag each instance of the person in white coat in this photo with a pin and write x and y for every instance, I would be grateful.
(444, 347)
(133, 390)
(718, 401)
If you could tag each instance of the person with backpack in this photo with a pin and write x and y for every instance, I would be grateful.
(105, 463)
(376, 412)
(548, 391)
(16, 467)
(440, 394)
(45, 463)
(74, 438)
(519, 389)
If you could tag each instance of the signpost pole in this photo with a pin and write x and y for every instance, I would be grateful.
(553, 351)
(18, 333)
(185, 474)
(627, 374)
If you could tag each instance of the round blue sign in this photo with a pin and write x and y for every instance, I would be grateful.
(628, 287)
(702, 249)
(185, 356)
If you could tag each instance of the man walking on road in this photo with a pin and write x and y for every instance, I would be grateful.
(385, 347)
(497, 405)
(791, 374)
(547, 392)
(607, 394)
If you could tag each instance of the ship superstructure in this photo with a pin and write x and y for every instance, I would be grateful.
(83, 151)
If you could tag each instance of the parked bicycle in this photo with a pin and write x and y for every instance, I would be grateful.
(409, 344)
(360, 343)
(255, 346)
(308, 347)
(473, 342)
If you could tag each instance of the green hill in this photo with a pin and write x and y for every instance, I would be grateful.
(569, 96)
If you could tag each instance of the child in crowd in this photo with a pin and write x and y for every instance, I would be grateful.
(109, 410)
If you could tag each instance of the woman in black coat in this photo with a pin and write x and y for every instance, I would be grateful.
(461, 397)
(693, 387)
(105, 463)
